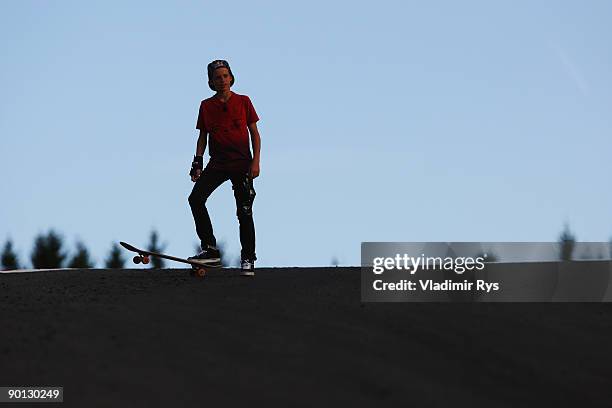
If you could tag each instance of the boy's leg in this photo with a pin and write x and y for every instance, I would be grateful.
(203, 188)
(244, 193)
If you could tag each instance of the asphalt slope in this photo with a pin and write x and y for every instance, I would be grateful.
(290, 337)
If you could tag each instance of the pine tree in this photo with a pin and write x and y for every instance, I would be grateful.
(225, 260)
(155, 246)
(567, 242)
(9, 258)
(47, 252)
(81, 258)
(488, 256)
(115, 260)
(335, 261)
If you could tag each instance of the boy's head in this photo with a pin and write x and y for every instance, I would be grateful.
(219, 72)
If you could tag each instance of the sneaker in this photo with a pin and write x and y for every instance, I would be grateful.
(247, 267)
(209, 256)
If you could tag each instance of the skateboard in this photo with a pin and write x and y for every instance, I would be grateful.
(199, 270)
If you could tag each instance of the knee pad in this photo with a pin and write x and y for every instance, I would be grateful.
(244, 198)
(245, 210)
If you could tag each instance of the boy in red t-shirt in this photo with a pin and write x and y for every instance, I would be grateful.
(227, 118)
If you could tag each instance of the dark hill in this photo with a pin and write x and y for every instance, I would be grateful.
(291, 337)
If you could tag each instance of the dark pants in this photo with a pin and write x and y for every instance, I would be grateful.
(244, 193)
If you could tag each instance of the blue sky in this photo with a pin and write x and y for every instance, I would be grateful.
(380, 121)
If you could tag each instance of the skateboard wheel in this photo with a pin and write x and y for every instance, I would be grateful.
(200, 272)
(145, 260)
(137, 259)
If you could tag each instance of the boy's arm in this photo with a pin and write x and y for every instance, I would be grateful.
(198, 160)
(201, 146)
(256, 143)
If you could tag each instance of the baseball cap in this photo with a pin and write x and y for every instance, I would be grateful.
(215, 65)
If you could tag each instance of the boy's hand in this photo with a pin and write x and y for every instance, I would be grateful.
(196, 175)
(254, 170)
(196, 167)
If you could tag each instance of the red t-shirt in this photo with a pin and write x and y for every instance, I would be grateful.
(226, 123)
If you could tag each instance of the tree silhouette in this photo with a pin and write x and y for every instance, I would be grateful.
(47, 252)
(335, 261)
(115, 260)
(9, 258)
(567, 242)
(489, 258)
(81, 258)
(225, 259)
(155, 246)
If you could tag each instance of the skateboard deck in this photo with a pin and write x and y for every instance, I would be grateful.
(143, 257)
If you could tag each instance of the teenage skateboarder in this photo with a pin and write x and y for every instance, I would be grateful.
(227, 119)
